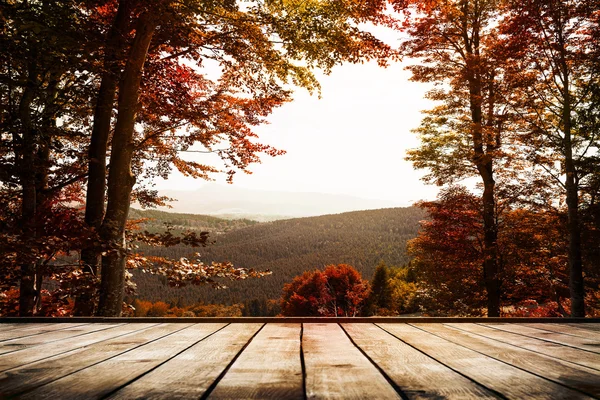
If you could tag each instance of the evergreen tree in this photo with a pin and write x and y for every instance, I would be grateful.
(381, 291)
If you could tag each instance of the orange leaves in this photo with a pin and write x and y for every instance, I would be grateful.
(339, 290)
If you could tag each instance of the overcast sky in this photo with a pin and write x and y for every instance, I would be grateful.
(351, 141)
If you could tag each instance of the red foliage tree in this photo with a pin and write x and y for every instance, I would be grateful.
(337, 291)
(449, 252)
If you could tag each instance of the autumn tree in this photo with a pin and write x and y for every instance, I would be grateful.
(256, 49)
(338, 290)
(462, 136)
(448, 252)
(531, 248)
(552, 49)
(43, 100)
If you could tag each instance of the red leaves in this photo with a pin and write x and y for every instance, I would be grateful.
(339, 290)
(449, 256)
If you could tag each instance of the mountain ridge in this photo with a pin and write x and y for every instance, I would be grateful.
(290, 247)
(235, 202)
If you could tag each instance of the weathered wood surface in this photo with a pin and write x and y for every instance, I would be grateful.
(335, 368)
(495, 375)
(554, 337)
(269, 367)
(294, 360)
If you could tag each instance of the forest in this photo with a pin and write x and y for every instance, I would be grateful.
(98, 98)
(362, 239)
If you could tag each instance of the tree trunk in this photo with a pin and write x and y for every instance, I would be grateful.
(120, 178)
(576, 285)
(482, 148)
(484, 164)
(490, 248)
(27, 293)
(95, 196)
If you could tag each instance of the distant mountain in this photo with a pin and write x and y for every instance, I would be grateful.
(232, 202)
(158, 221)
(289, 247)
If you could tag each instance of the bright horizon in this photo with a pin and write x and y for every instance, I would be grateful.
(352, 141)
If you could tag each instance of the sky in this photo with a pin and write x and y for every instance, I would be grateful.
(351, 141)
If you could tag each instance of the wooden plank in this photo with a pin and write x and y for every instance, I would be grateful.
(33, 329)
(269, 367)
(53, 348)
(567, 340)
(555, 350)
(335, 368)
(11, 346)
(419, 376)
(505, 379)
(101, 379)
(97, 347)
(202, 363)
(586, 326)
(577, 377)
(568, 330)
(10, 326)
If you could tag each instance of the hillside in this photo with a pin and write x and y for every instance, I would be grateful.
(289, 247)
(158, 220)
(234, 202)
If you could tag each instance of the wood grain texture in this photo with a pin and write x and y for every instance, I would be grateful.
(32, 330)
(335, 368)
(54, 348)
(568, 374)
(101, 379)
(248, 360)
(10, 326)
(568, 330)
(511, 382)
(202, 363)
(555, 350)
(595, 327)
(560, 338)
(269, 367)
(68, 333)
(96, 347)
(419, 376)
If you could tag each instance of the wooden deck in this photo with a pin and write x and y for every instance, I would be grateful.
(283, 359)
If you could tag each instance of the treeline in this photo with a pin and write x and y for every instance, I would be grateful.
(259, 307)
(288, 248)
(532, 248)
(516, 86)
(159, 221)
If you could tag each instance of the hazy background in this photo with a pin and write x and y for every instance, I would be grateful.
(350, 143)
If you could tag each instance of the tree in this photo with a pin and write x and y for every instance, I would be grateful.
(41, 50)
(448, 253)
(531, 248)
(463, 135)
(254, 71)
(339, 290)
(552, 49)
(405, 291)
(380, 297)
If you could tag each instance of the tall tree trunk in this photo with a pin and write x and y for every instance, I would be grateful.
(95, 196)
(484, 163)
(27, 292)
(491, 273)
(120, 178)
(576, 285)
